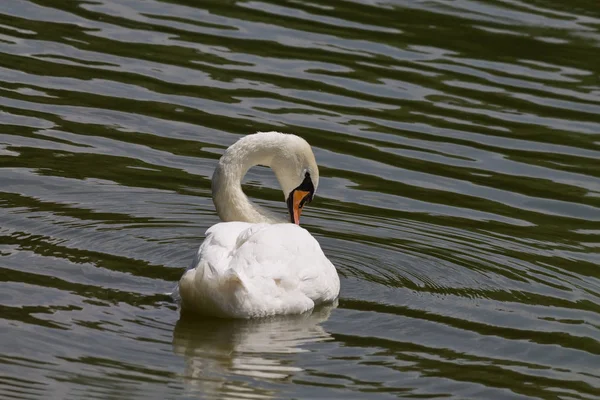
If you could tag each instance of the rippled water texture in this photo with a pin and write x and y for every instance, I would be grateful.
(459, 147)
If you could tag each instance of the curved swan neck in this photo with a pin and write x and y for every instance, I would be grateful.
(230, 201)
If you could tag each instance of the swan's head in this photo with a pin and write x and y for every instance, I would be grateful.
(290, 157)
(297, 172)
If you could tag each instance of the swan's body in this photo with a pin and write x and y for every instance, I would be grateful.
(254, 264)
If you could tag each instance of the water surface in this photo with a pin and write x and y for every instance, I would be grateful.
(459, 197)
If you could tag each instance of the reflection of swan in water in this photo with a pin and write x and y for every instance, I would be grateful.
(221, 355)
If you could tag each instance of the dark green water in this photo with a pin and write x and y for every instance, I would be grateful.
(459, 147)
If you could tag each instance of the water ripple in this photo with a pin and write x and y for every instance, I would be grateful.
(459, 195)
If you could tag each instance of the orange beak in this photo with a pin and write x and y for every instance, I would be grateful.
(296, 209)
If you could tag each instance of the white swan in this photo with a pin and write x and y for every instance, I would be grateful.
(255, 264)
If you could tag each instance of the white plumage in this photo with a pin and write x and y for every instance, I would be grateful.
(258, 265)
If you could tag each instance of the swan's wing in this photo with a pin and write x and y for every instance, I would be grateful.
(220, 240)
(260, 269)
(290, 257)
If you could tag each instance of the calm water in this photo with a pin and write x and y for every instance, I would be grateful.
(459, 146)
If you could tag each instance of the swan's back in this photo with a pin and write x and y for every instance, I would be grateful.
(249, 270)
